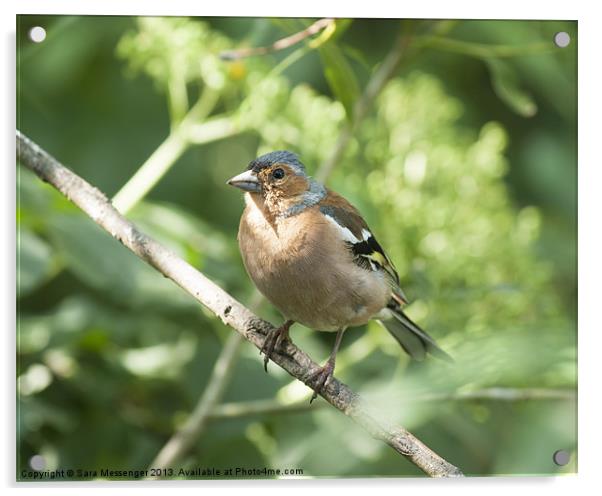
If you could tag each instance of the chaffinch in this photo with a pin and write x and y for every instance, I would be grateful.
(312, 255)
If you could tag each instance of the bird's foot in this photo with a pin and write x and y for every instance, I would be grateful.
(273, 340)
(320, 378)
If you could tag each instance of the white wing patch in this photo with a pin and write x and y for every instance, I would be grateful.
(345, 233)
(366, 234)
(384, 314)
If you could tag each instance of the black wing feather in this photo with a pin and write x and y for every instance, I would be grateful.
(367, 253)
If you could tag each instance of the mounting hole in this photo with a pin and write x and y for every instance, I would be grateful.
(562, 39)
(37, 463)
(561, 457)
(37, 34)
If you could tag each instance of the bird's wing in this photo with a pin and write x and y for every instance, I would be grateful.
(367, 252)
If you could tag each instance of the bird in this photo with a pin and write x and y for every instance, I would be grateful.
(312, 255)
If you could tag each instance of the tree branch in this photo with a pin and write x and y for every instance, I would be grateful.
(274, 407)
(96, 205)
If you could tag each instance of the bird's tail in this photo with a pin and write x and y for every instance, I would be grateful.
(412, 338)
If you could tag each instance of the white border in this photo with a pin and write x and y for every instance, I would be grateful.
(590, 247)
(508, 9)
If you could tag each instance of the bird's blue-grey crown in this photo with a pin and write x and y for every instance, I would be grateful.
(278, 157)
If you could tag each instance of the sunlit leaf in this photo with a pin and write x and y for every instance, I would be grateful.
(357, 55)
(506, 86)
(340, 76)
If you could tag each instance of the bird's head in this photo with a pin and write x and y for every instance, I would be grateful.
(278, 179)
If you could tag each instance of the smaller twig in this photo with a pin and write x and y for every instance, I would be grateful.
(275, 407)
(482, 50)
(177, 97)
(375, 85)
(281, 44)
(186, 436)
(163, 158)
(261, 407)
(503, 394)
(150, 172)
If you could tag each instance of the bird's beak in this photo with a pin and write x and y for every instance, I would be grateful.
(247, 181)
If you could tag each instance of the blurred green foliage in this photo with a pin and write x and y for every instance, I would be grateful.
(465, 169)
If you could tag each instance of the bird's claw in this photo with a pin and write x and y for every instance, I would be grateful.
(268, 347)
(272, 341)
(321, 378)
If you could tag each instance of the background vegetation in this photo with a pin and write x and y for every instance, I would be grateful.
(465, 168)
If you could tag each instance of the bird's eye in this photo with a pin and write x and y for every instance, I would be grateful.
(278, 173)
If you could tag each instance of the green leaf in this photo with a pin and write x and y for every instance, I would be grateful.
(103, 263)
(337, 70)
(340, 76)
(289, 26)
(34, 263)
(342, 25)
(91, 254)
(506, 86)
(357, 56)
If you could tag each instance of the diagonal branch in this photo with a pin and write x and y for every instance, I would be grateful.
(281, 44)
(96, 205)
